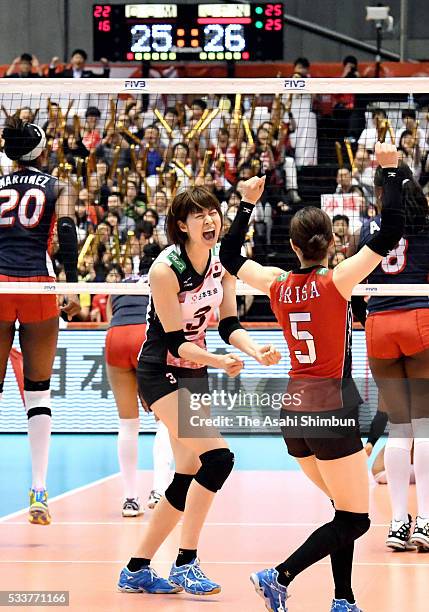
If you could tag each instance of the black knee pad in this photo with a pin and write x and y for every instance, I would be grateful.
(178, 489)
(216, 466)
(39, 385)
(351, 525)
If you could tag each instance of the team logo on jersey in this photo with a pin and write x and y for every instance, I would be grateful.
(177, 262)
(283, 276)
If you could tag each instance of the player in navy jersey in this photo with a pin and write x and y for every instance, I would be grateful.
(187, 283)
(127, 331)
(30, 202)
(311, 304)
(397, 338)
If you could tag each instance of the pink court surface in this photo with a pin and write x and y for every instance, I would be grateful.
(256, 521)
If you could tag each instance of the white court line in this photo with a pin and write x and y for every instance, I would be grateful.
(140, 523)
(257, 563)
(94, 483)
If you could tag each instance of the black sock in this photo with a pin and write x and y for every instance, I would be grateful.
(342, 563)
(185, 556)
(331, 537)
(136, 564)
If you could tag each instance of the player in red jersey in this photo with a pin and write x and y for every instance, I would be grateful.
(30, 201)
(312, 305)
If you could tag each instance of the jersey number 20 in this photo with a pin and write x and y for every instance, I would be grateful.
(11, 197)
(303, 334)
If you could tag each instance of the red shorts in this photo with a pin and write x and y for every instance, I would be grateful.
(395, 333)
(27, 308)
(123, 344)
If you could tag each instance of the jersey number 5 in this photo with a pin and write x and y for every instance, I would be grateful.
(11, 197)
(303, 334)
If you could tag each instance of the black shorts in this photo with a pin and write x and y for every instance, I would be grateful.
(324, 449)
(324, 442)
(156, 380)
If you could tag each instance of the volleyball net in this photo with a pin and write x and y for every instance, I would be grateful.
(127, 146)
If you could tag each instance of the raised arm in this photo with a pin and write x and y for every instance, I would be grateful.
(353, 270)
(252, 273)
(67, 240)
(233, 333)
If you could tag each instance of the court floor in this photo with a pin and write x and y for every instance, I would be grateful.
(256, 521)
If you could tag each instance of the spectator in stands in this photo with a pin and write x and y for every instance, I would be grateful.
(301, 67)
(409, 121)
(341, 227)
(126, 223)
(336, 259)
(83, 224)
(409, 152)
(344, 181)
(23, 67)
(198, 107)
(350, 67)
(378, 131)
(77, 68)
(171, 117)
(304, 139)
(363, 173)
(91, 136)
(114, 274)
(154, 158)
(180, 163)
(107, 151)
(159, 234)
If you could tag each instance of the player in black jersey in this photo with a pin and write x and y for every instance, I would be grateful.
(29, 202)
(187, 283)
(397, 337)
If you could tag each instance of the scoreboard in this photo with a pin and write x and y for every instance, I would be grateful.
(206, 32)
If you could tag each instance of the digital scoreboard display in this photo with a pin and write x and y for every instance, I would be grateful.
(207, 32)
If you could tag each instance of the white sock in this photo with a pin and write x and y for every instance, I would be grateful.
(162, 459)
(421, 465)
(128, 444)
(39, 435)
(397, 461)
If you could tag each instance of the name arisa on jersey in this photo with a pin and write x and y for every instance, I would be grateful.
(300, 294)
(32, 179)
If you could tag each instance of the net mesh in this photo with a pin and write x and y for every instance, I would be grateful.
(127, 147)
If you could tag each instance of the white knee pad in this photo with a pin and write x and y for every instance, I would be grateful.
(37, 399)
(129, 429)
(400, 436)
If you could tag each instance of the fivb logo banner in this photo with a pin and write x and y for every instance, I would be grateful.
(135, 84)
(294, 83)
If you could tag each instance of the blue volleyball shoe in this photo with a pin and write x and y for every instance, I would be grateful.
(145, 580)
(342, 605)
(193, 580)
(272, 592)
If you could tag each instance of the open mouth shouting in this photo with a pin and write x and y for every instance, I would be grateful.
(209, 235)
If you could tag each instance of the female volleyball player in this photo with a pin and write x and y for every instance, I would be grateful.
(397, 338)
(127, 331)
(187, 282)
(29, 201)
(311, 304)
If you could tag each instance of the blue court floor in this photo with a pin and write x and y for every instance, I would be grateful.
(79, 459)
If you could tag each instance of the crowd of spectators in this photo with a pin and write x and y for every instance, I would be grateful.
(128, 157)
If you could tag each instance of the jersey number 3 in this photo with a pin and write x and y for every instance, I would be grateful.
(303, 334)
(9, 200)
